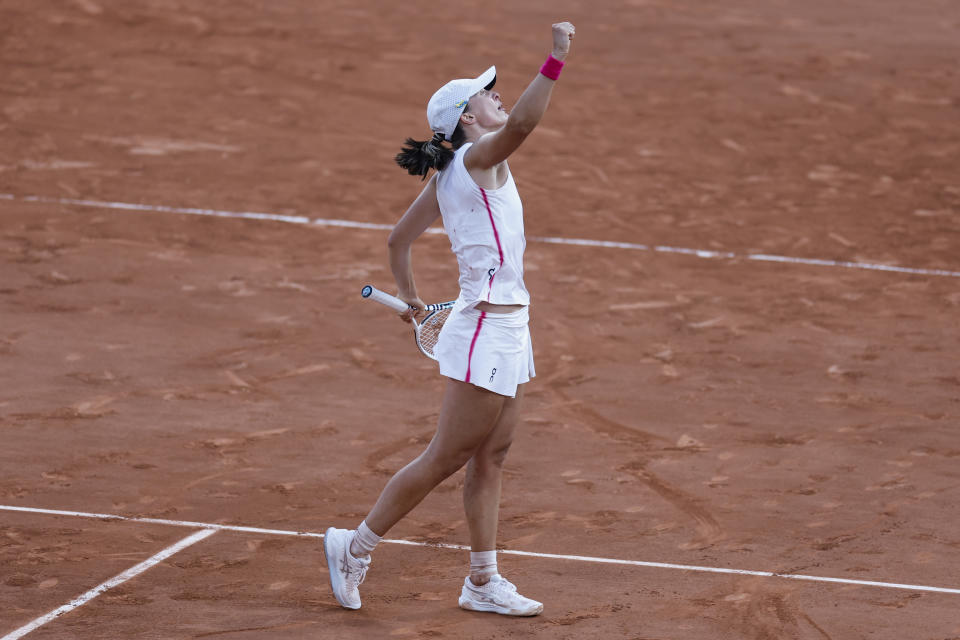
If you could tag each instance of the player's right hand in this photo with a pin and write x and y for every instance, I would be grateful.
(563, 33)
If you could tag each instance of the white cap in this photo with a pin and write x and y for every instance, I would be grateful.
(446, 105)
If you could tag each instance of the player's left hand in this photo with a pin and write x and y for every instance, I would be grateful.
(417, 310)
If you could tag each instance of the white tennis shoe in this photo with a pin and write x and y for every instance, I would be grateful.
(497, 596)
(346, 572)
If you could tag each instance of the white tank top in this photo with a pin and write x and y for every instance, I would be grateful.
(485, 227)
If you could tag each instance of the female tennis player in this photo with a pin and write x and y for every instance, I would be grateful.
(484, 348)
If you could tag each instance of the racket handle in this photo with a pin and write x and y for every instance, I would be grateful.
(384, 298)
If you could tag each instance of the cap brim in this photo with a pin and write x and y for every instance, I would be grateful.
(488, 78)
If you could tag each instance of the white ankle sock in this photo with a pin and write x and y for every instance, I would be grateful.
(364, 540)
(483, 563)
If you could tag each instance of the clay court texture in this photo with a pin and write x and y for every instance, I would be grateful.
(743, 225)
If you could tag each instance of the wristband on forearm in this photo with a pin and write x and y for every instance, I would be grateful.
(551, 68)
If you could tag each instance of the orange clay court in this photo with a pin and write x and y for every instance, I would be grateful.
(762, 430)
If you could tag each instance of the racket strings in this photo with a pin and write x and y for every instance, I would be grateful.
(429, 331)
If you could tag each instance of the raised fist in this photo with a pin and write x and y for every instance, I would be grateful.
(563, 33)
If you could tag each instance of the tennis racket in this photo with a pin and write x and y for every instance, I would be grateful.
(427, 331)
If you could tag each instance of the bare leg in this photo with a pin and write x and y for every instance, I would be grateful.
(467, 416)
(481, 489)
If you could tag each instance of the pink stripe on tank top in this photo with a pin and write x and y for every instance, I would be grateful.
(496, 236)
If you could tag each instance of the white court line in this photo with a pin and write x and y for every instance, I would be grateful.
(109, 584)
(164, 209)
(173, 523)
(326, 222)
(529, 554)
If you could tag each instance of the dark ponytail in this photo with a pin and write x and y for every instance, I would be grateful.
(419, 157)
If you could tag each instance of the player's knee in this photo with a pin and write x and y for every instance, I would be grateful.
(443, 465)
(492, 458)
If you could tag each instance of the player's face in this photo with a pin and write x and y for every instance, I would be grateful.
(488, 109)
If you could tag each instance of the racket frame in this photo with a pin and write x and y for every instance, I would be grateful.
(372, 293)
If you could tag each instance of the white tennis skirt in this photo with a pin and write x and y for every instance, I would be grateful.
(489, 350)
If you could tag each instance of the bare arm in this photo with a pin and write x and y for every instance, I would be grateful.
(421, 214)
(493, 148)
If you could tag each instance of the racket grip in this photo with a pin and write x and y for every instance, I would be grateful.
(384, 298)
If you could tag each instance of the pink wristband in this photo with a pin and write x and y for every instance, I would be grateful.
(551, 68)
